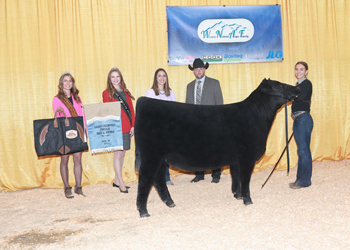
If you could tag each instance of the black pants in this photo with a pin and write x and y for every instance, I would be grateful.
(216, 173)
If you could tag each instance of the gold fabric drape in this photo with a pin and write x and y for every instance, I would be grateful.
(43, 38)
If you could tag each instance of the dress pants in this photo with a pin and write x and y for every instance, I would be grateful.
(216, 173)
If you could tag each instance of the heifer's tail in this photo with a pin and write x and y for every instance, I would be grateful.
(137, 160)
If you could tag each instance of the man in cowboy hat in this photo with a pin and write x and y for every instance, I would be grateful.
(204, 91)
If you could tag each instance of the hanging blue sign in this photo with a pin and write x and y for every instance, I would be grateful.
(224, 34)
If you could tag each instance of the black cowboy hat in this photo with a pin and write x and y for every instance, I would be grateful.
(198, 63)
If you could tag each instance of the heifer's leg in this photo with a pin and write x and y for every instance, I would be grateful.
(162, 188)
(245, 172)
(147, 174)
(236, 183)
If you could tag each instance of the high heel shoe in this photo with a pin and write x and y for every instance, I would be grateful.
(79, 191)
(115, 185)
(68, 192)
(125, 192)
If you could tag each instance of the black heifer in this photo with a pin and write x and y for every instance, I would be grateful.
(199, 137)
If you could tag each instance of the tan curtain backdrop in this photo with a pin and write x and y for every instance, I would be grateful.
(43, 38)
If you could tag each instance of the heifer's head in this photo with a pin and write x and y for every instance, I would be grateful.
(280, 91)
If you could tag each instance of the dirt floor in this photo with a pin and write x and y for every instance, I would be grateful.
(206, 215)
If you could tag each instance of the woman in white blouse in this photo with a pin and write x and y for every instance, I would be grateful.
(161, 90)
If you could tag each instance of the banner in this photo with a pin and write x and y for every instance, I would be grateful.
(224, 34)
(104, 127)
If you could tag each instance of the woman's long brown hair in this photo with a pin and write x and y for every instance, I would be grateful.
(73, 90)
(122, 84)
(166, 85)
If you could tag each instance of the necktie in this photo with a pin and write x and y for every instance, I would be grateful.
(198, 93)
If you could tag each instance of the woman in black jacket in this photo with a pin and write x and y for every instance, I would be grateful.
(302, 127)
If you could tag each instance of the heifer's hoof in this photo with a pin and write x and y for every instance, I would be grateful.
(238, 196)
(143, 215)
(170, 204)
(247, 201)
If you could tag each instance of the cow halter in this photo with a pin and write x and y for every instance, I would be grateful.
(287, 142)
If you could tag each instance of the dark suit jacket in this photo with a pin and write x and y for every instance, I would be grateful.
(211, 93)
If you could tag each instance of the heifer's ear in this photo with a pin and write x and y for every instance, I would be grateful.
(264, 82)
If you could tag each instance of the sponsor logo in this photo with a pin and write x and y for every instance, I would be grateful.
(257, 56)
(190, 58)
(233, 58)
(182, 59)
(212, 58)
(71, 134)
(225, 30)
(274, 56)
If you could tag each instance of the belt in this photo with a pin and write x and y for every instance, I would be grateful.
(296, 114)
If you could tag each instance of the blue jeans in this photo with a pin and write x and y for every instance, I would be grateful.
(167, 174)
(302, 128)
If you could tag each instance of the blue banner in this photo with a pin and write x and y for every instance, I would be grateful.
(105, 135)
(224, 34)
(104, 126)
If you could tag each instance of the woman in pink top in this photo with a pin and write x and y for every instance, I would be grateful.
(68, 101)
(161, 90)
